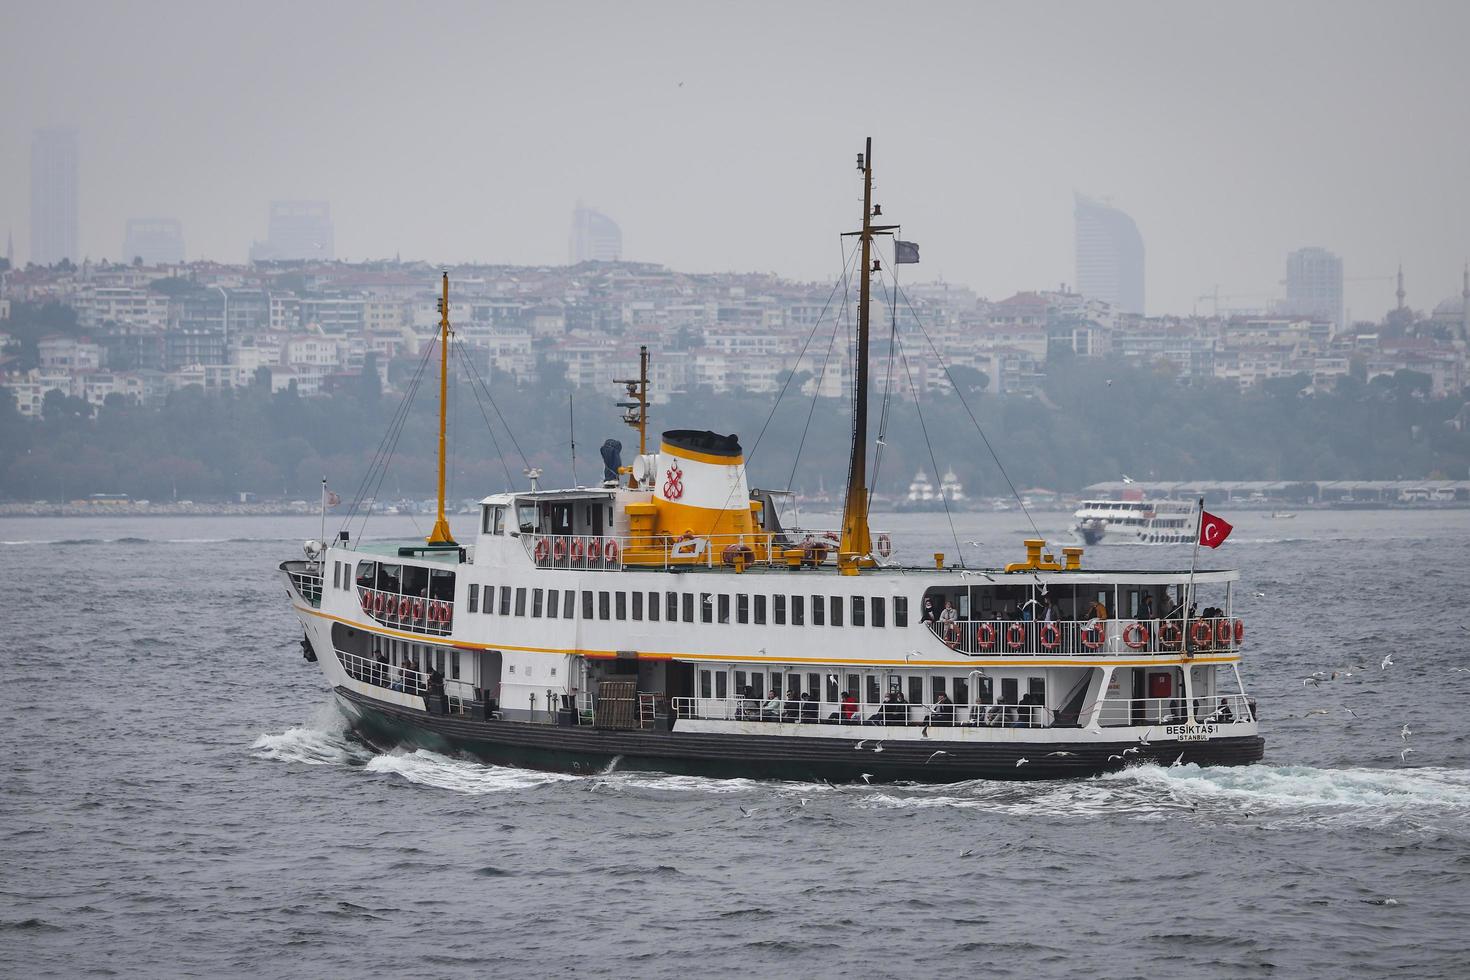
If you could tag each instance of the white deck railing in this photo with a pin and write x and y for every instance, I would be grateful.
(1220, 709)
(902, 714)
(432, 617)
(392, 677)
(1089, 638)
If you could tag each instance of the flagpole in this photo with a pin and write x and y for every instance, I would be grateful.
(1193, 558)
(323, 538)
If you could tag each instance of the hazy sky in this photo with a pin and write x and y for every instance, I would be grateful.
(723, 135)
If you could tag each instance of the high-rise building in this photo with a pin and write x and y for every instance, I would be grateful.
(297, 230)
(1109, 256)
(157, 241)
(1314, 284)
(54, 234)
(595, 237)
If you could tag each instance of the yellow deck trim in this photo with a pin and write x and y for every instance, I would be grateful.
(731, 658)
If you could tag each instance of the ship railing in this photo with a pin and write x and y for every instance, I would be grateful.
(910, 715)
(606, 552)
(308, 582)
(392, 677)
(1089, 638)
(1216, 709)
(418, 614)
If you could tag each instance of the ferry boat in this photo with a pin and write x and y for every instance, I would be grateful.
(668, 619)
(1135, 521)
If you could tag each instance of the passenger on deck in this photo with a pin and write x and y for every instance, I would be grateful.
(809, 708)
(1049, 612)
(929, 615)
(1097, 610)
(748, 708)
(1146, 608)
(1225, 716)
(942, 713)
(949, 624)
(771, 706)
(436, 682)
(381, 669)
(849, 708)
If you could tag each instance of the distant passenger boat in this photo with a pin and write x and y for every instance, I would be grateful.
(1135, 521)
(670, 619)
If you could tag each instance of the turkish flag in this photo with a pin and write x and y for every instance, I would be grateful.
(1213, 530)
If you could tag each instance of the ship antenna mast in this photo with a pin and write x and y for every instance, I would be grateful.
(856, 547)
(636, 414)
(440, 535)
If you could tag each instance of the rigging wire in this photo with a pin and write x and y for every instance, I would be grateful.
(475, 372)
(509, 479)
(394, 421)
(883, 413)
(394, 433)
(924, 428)
(978, 428)
(831, 343)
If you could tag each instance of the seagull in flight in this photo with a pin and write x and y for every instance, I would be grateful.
(1259, 595)
(1460, 670)
(750, 811)
(1312, 681)
(1404, 755)
(1061, 753)
(1177, 762)
(1315, 711)
(1404, 733)
(1143, 739)
(878, 747)
(967, 852)
(1112, 757)
(867, 777)
(1350, 711)
(1387, 662)
(860, 745)
(932, 757)
(1132, 750)
(1021, 762)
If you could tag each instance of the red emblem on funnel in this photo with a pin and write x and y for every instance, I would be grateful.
(674, 483)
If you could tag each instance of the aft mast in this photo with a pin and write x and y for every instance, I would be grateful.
(856, 548)
(440, 534)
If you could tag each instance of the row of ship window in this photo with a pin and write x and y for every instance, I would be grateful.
(689, 607)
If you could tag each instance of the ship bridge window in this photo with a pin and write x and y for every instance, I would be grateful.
(526, 516)
(901, 610)
(819, 610)
(835, 608)
(621, 605)
(520, 602)
(724, 608)
(441, 585)
(706, 607)
(798, 610)
(552, 597)
(880, 612)
(416, 581)
(688, 603)
(760, 610)
(505, 600)
(388, 578)
(653, 601)
(494, 522)
(742, 608)
(367, 574)
(638, 606)
(859, 611)
(778, 610)
(538, 603)
(474, 598)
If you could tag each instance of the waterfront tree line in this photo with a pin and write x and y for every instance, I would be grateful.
(1091, 421)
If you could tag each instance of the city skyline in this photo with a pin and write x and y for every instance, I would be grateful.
(677, 143)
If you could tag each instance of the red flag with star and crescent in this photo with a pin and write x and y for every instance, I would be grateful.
(1213, 530)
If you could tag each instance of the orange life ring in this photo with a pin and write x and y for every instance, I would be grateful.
(1200, 632)
(418, 607)
(594, 549)
(1239, 631)
(1222, 633)
(576, 549)
(446, 612)
(885, 545)
(1051, 636)
(1095, 635)
(951, 633)
(542, 550)
(1170, 633)
(559, 549)
(1015, 636)
(367, 601)
(1135, 635)
(405, 607)
(378, 601)
(985, 636)
(611, 551)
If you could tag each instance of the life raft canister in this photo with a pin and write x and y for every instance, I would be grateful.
(542, 550)
(1095, 635)
(1051, 636)
(1136, 636)
(1015, 636)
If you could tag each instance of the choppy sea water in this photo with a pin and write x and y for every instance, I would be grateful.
(178, 797)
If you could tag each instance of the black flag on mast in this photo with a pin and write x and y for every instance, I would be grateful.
(905, 253)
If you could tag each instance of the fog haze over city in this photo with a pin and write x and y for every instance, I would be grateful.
(717, 136)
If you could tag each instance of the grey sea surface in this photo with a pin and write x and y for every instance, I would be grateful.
(179, 797)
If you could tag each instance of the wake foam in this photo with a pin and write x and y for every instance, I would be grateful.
(460, 775)
(321, 742)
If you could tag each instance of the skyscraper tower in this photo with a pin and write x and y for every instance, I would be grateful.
(1400, 294)
(1314, 284)
(1109, 256)
(1465, 306)
(54, 234)
(595, 237)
